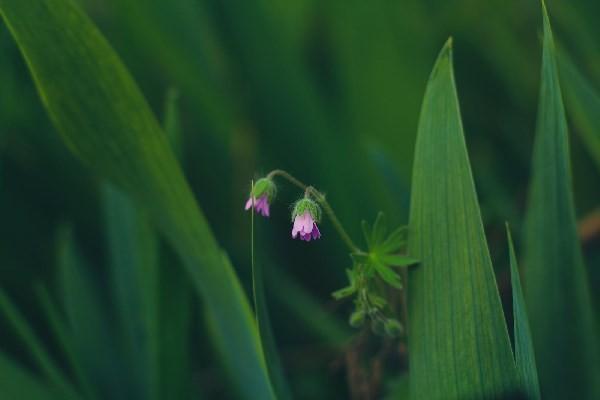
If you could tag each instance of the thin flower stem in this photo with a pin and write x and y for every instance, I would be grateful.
(319, 198)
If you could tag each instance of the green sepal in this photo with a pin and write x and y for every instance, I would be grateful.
(305, 204)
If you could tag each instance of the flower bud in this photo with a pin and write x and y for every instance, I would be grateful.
(357, 318)
(264, 187)
(393, 327)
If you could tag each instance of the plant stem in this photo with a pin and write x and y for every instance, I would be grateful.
(319, 198)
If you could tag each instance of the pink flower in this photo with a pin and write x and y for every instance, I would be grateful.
(261, 205)
(306, 226)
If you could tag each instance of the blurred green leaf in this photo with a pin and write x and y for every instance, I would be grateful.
(15, 383)
(41, 357)
(87, 319)
(457, 333)
(134, 269)
(524, 351)
(557, 291)
(265, 329)
(583, 104)
(65, 340)
(105, 121)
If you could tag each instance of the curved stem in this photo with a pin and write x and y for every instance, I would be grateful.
(319, 198)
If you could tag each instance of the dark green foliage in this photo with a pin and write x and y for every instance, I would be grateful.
(557, 291)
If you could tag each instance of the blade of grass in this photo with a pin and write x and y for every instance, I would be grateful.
(583, 104)
(65, 340)
(16, 383)
(93, 337)
(265, 329)
(105, 121)
(459, 345)
(557, 292)
(524, 352)
(40, 356)
(133, 249)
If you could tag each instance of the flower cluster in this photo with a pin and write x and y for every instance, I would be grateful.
(374, 272)
(305, 215)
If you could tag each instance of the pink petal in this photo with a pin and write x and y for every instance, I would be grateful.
(248, 204)
(307, 222)
(316, 234)
(297, 226)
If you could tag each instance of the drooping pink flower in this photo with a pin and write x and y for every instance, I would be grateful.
(261, 205)
(305, 227)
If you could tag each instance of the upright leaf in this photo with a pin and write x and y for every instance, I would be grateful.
(40, 356)
(583, 104)
(133, 250)
(459, 345)
(524, 352)
(105, 121)
(557, 289)
(264, 325)
(15, 383)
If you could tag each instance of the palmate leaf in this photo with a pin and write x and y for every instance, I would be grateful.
(524, 352)
(105, 121)
(459, 346)
(556, 284)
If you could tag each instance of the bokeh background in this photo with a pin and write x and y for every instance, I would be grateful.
(327, 90)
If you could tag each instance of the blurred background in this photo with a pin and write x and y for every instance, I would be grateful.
(327, 90)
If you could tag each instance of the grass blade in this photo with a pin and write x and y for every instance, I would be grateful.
(524, 352)
(133, 249)
(557, 291)
(41, 357)
(457, 334)
(105, 121)
(15, 383)
(583, 104)
(265, 329)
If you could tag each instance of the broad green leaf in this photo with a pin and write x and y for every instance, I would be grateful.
(459, 345)
(583, 104)
(133, 259)
(40, 356)
(16, 383)
(105, 121)
(557, 292)
(524, 352)
(265, 329)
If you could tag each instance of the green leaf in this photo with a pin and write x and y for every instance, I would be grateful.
(105, 121)
(379, 230)
(387, 274)
(394, 241)
(524, 351)
(459, 345)
(134, 268)
(265, 329)
(397, 260)
(87, 319)
(15, 383)
(583, 104)
(65, 340)
(557, 291)
(344, 292)
(35, 347)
